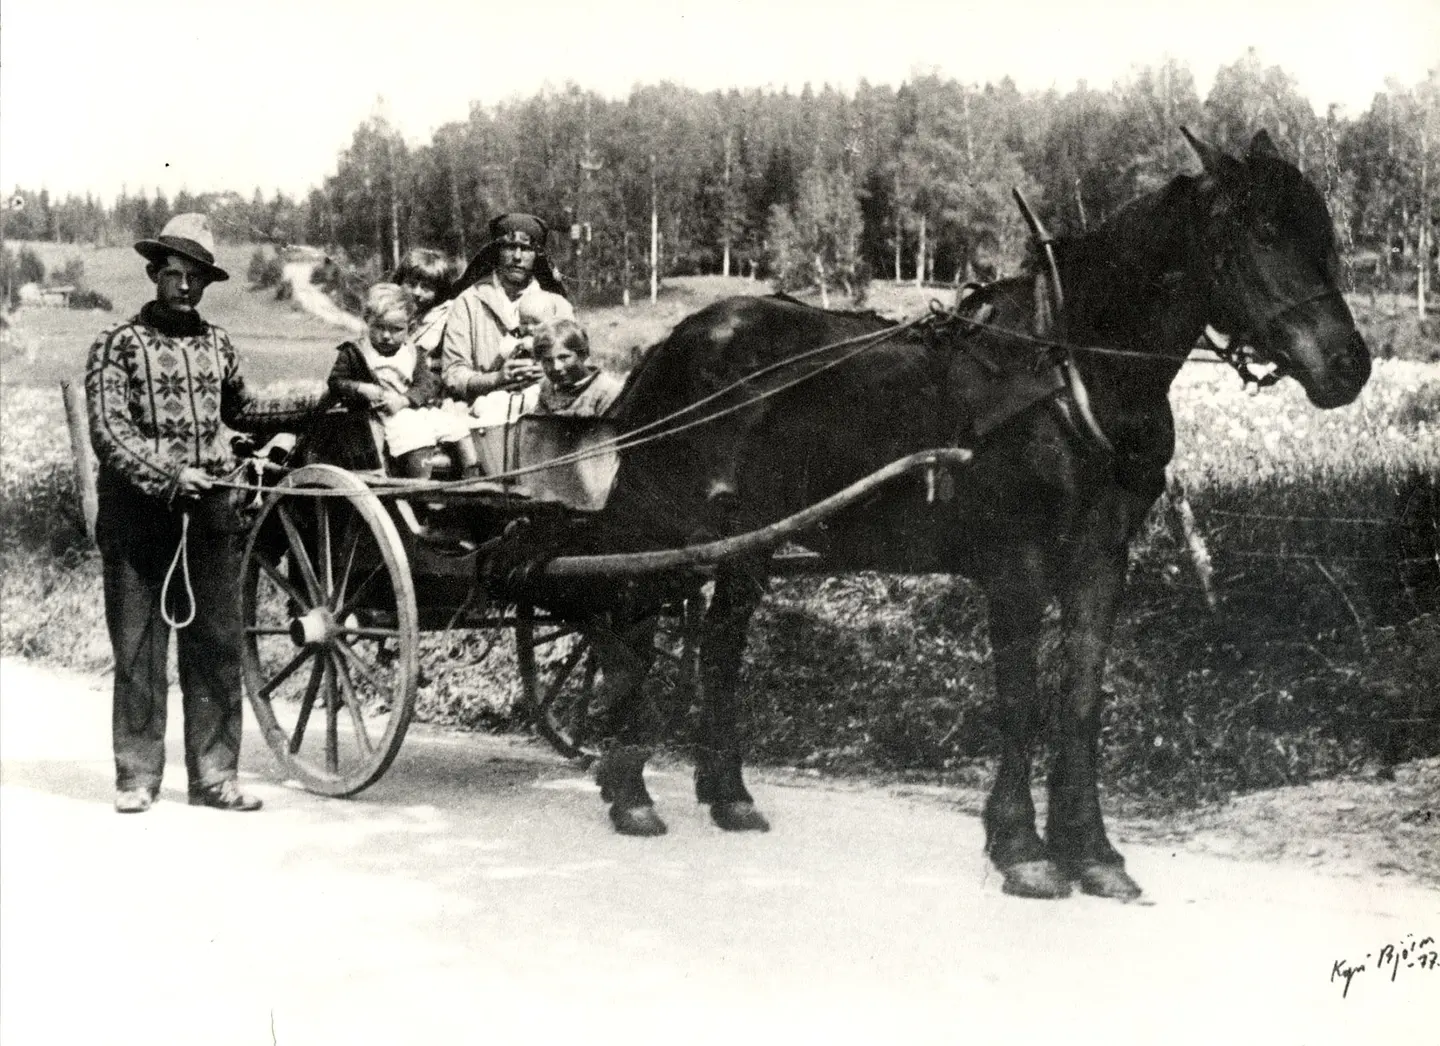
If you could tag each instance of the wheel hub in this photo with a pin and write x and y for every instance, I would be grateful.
(313, 628)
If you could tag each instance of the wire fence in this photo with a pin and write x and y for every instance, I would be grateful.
(1362, 558)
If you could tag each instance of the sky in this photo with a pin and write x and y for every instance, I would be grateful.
(100, 95)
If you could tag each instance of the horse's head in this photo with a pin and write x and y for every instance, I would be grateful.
(1275, 271)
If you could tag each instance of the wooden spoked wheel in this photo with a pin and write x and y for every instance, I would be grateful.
(559, 670)
(331, 630)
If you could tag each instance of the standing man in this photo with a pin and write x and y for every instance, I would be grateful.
(510, 288)
(159, 387)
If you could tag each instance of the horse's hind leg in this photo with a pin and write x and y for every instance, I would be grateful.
(1075, 827)
(627, 720)
(1016, 596)
(719, 782)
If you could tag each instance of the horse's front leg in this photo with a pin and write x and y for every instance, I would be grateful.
(719, 782)
(626, 719)
(1015, 588)
(1090, 596)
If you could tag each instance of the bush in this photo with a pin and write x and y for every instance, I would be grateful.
(265, 270)
(88, 299)
(73, 274)
(40, 508)
(345, 282)
(10, 277)
(30, 269)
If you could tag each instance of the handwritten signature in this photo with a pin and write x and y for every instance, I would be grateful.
(1409, 953)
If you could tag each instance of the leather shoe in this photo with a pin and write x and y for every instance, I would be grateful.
(224, 796)
(133, 800)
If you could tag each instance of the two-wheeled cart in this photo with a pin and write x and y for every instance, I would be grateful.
(345, 566)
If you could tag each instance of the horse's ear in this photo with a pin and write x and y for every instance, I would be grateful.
(1261, 145)
(1211, 158)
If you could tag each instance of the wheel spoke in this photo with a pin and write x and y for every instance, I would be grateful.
(360, 667)
(663, 652)
(323, 546)
(281, 581)
(332, 718)
(352, 702)
(354, 600)
(352, 544)
(262, 630)
(307, 704)
(299, 556)
(563, 670)
(550, 637)
(370, 632)
(285, 673)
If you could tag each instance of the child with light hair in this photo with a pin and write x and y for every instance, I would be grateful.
(385, 372)
(572, 384)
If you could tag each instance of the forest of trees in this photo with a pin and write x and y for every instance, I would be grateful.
(822, 187)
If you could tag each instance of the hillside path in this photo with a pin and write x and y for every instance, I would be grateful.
(477, 894)
(314, 300)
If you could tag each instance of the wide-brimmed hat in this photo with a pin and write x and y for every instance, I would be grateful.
(189, 236)
(515, 228)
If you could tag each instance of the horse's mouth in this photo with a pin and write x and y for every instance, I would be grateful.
(1338, 380)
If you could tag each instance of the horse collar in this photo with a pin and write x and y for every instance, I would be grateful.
(1075, 405)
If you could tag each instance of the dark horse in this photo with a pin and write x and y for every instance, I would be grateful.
(1064, 470)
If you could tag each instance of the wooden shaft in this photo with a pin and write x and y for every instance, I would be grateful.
(764, 539)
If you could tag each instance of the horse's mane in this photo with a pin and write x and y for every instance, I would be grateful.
(861, 314)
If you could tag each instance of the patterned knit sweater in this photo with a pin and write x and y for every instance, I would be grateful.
(161, 390)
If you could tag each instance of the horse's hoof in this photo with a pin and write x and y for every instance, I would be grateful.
(637, 820)
(1039, 879)
(739, 817)
(1107, 880)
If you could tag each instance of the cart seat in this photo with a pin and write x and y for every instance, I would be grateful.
(534, 439)
(355, 440)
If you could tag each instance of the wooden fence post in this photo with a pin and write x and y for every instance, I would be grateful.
(1194, 539)
(83, 454)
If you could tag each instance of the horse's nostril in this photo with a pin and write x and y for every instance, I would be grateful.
(1357, 362)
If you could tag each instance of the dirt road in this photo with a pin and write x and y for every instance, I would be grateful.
(313, 300)
(476, 894)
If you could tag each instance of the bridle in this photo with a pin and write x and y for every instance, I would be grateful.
(1241, 354)
(1239, 350)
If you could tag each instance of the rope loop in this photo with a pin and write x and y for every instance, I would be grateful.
(180, 560)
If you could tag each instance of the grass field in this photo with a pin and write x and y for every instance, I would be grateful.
(1319, 657)
(278, 342)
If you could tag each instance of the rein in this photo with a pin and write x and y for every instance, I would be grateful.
(938, 317)
(652, 431)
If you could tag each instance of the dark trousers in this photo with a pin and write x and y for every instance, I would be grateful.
(138, 536)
